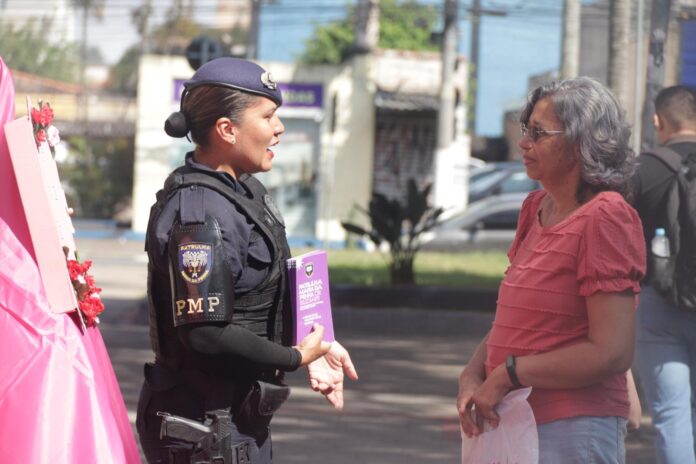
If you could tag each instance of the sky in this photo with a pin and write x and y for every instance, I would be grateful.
(525, 41)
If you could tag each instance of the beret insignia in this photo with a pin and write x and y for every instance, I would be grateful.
(268, 81)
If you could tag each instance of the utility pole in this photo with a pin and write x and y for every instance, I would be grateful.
(252, 42)
(639, 74)
(659, 24)
(619, 30)
(367, 26)
(95, 6)
(82, 101)
(445, 118)
(476, 12)
(450, 179)
(570, 58)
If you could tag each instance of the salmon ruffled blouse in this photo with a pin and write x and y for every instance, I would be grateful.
(541, 302)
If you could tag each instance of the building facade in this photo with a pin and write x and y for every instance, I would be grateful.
(364, 126)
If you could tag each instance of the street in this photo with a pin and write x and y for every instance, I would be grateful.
(401, 410)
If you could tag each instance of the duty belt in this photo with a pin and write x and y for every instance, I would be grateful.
(217, 392)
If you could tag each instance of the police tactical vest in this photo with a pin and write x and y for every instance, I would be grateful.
(263, 310)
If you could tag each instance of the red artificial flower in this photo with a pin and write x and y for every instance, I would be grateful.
(91, 307)
(41, 135)
(87, 292)
(35, 116)
(46, 115)
(74, 268)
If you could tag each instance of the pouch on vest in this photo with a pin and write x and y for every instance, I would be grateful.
(261, 402)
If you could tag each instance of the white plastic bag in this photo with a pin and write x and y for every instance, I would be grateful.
(514, 441)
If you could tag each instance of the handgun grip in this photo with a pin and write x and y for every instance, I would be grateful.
(182, 428)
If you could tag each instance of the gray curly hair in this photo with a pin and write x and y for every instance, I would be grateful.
(595, 123)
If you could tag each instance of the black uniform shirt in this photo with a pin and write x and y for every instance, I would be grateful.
(248, 257)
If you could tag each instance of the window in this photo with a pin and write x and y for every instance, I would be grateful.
(484, 181)
(503, 220)
(518, 182)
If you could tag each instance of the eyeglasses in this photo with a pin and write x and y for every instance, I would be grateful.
(535, 133)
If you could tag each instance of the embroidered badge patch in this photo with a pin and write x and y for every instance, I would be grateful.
(195, 261)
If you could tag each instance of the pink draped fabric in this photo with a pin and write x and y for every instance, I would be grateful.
(9, 194)
(59, 398)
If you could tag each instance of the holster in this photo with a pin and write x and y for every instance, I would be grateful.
(259, 405)
(212, 440)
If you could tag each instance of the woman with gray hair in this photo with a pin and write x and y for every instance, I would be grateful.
(565, 319)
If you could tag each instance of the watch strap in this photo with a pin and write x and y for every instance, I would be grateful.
(511, 367)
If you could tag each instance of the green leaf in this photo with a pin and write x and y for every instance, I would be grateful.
(354, 229)
(417, 202)
(403, 25)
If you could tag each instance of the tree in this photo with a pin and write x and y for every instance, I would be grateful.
(96, 9)
(100, 177)
(26, 48)
(177, 30)
(400, 225)
(570, 56)
(170, 37)
(403, 25)
(619, 31)
(123, 76)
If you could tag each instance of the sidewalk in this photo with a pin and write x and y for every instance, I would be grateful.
(400, 411)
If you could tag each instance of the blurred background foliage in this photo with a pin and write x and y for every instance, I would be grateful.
(27, 48)
(99, 176)
(403, 25)
(468, 269)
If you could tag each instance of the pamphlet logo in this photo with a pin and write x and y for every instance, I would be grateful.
(309, 269)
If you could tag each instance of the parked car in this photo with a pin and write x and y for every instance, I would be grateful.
(500, 178)
(486, 224)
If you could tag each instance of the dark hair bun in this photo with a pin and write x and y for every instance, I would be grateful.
(175, 125)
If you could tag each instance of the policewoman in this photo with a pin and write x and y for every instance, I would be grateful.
(218, 298)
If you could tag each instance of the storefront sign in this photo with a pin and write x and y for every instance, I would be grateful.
(302, 95)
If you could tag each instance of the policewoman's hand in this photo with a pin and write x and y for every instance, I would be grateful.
(326, 374)
(312, 347)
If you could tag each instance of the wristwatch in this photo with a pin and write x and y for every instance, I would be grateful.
(510, 365)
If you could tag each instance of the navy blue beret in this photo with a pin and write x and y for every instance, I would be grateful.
(238, 74)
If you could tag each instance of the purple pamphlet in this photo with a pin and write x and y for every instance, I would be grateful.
(308, 277)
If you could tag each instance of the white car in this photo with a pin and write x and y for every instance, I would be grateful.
(486, 224)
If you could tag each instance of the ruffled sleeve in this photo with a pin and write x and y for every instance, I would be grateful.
(526, 220)
(612, 252)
